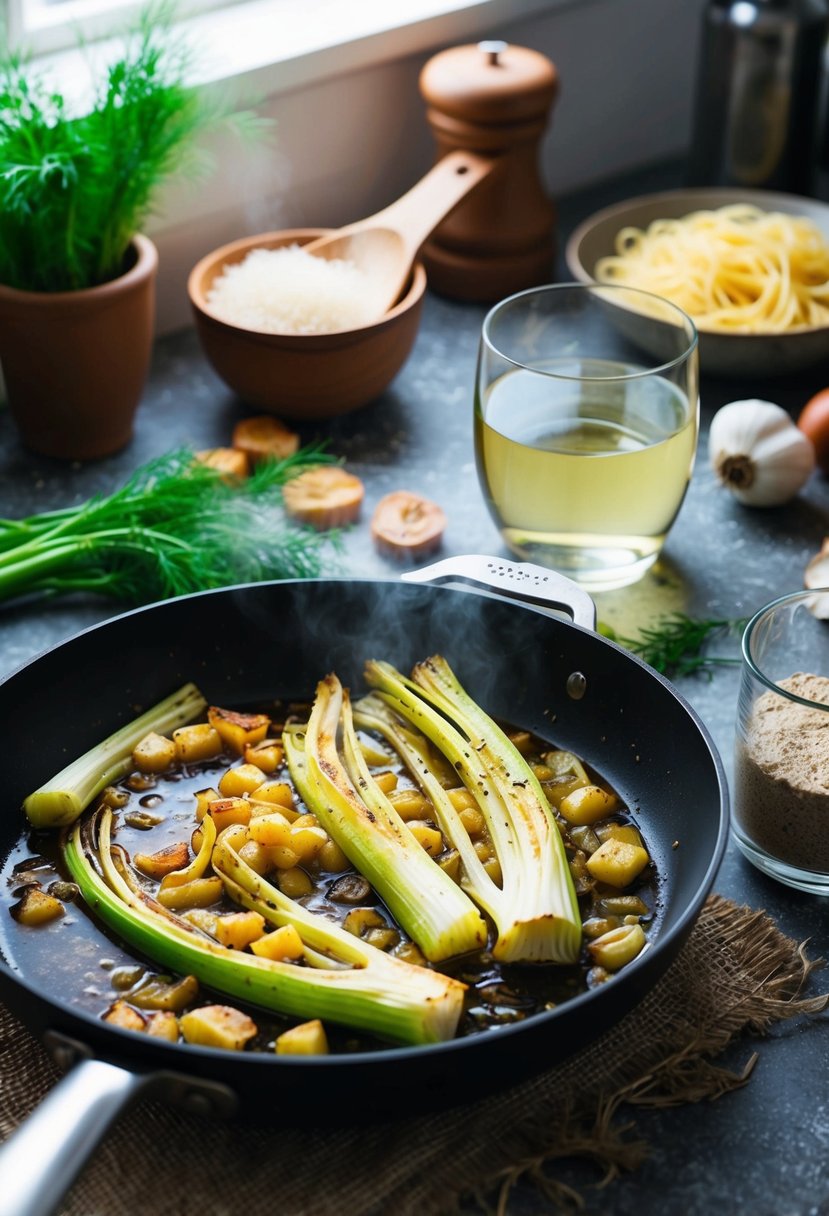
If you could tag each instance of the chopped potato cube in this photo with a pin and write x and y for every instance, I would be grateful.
(617, 863)
(35, 907)
(203, 801)
(165, 861)
(163, 1024)
(272, 829)
(386, 781)
(154, 753)
(411, 804)
(294, 883)
(268, 808)
(123, 1015)
(461, 798)
(238, 730)
(283, 857)
(472, 820)
(278, 792)
(283, 945)
(199, 893)
(256, 856)
(239, 929)
(218, 1026)
(266, 755)
(427, 837)
(201, 741)
(225, 811)
(307, 842)
(587, 804)
(382, 939)
(307, 1039)
(612, 950)
(243, 779)
(332, 858)
(620, 831)
(450, 863)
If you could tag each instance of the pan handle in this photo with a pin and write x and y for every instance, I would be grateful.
(522, 581)
(39, 1161)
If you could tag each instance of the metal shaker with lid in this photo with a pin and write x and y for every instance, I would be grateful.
(758, 88)
(494, 99)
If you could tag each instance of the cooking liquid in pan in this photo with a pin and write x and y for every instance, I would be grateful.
(78, 960)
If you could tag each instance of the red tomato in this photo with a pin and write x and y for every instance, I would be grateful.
(814, 423)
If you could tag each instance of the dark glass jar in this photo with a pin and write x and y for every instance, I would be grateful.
(758, 91)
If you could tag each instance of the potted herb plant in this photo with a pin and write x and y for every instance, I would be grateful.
(77, 277)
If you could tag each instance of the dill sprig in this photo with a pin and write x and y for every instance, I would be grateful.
(75, 188)
(176, 526)
(675, 644)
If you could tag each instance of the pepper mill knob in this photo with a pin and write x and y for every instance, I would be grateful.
(495, 99)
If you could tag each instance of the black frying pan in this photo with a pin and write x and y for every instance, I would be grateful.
(245, 645)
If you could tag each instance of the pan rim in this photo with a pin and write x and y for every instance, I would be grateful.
(157, 1049)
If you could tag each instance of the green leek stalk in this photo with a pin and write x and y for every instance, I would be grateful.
(535, 910)
(343, 979)
(66, 795)
(355, 812)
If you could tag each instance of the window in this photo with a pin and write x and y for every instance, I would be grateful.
(319, 36)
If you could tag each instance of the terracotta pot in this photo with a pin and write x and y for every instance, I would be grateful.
(75, 362)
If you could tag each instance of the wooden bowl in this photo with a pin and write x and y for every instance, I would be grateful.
(302, 376)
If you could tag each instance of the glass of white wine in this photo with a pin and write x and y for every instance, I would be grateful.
(586, 422)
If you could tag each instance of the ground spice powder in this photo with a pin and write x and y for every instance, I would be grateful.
(781, 798)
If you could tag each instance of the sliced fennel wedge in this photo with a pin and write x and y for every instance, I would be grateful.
(341, 792)
(65, 796)
(535, 910)
(344, 979)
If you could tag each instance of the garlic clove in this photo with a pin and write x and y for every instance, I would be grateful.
(758, 452)
(817, 576)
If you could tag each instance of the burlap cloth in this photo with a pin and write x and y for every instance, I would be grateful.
(737, 975)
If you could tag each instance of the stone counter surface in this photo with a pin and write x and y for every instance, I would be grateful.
(764, 1149)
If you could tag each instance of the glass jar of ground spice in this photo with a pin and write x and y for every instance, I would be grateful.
(781, 762)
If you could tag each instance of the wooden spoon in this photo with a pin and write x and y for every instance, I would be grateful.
(385, 245)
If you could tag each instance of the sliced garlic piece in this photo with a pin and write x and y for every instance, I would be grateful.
(758, 453)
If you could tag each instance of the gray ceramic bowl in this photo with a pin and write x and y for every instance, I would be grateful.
(720, 354)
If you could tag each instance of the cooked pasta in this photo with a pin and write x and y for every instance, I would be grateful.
(735, 269)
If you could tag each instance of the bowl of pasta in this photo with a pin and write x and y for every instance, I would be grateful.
(750, 267)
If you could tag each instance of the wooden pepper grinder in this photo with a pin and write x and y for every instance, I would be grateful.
(494, 99)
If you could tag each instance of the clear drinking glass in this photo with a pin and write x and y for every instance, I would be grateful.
(586, 420)
(781, 760)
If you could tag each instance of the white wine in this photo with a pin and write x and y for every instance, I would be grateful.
(585, 474)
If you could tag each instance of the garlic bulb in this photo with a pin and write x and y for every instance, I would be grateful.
(758, 453)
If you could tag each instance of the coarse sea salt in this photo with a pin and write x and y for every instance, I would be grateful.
(289, 291)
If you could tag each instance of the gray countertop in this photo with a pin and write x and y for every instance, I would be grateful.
(765, 1148)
